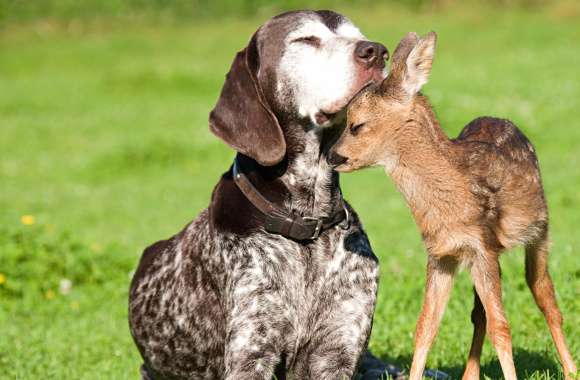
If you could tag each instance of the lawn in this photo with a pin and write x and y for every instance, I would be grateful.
(105, 148)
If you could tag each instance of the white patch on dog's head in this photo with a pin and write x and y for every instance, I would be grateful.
(318, 73)
(348, 30)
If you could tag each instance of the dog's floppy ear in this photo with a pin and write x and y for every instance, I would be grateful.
(242, 117)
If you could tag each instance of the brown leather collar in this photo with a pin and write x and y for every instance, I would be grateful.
(278, 221)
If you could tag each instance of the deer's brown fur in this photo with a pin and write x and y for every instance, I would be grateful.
(472, 198)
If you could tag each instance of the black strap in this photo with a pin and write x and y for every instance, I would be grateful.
(279, 221)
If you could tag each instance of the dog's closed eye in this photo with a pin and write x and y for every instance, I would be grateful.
(309, 40)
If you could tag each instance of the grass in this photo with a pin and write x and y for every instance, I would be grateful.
(105, 148)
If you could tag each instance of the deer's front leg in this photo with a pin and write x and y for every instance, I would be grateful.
(440, 272)
(485, 273)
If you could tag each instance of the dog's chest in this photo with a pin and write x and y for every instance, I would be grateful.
(303, 286)
(297, 269)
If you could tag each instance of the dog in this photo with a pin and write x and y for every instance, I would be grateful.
(277, 276)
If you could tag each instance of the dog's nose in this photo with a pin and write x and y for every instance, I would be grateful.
(370, 53)
(335, 159)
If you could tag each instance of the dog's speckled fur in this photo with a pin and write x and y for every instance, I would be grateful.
(208, 305)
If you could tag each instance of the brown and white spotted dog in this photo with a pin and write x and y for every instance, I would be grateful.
(224, 299)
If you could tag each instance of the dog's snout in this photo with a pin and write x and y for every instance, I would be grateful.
(335, 159)
(370, 53)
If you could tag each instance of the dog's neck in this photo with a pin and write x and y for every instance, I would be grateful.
(303, 183)
(312, 185)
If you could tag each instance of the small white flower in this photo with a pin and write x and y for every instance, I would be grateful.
(65, 286)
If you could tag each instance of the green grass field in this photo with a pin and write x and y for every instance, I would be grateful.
(105, 148)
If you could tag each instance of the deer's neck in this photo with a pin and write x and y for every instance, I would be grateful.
(425, 171)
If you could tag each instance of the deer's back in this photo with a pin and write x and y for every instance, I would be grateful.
(505, 179)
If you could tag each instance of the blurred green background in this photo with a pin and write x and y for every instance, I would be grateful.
(104, 149)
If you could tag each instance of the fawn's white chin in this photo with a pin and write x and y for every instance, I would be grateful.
(343, 168)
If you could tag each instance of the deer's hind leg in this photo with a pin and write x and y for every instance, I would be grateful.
(478, 319)
(540, 283)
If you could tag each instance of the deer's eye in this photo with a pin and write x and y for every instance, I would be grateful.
(355, 128)
(309, 40)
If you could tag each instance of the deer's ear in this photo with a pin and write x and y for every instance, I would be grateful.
(418, 64)
(392, 82)
(403, 50)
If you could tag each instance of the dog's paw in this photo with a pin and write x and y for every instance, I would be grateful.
(373, 368)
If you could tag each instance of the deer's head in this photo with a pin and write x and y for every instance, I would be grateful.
(381, 114)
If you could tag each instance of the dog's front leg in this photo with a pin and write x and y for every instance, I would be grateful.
(249, 357)
(340, 338)
(254, 335)
(344, 314)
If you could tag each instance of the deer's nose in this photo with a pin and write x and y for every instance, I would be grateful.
(335, 159)
(371, 53)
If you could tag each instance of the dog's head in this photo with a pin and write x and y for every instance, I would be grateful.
(302, 65)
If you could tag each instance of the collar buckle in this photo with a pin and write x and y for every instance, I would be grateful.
(317, 229)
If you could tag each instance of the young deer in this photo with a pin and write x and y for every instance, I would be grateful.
(472, 197)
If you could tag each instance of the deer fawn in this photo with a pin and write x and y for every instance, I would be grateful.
(472, 197)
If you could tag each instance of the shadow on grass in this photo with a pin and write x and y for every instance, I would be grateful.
(527, 363)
